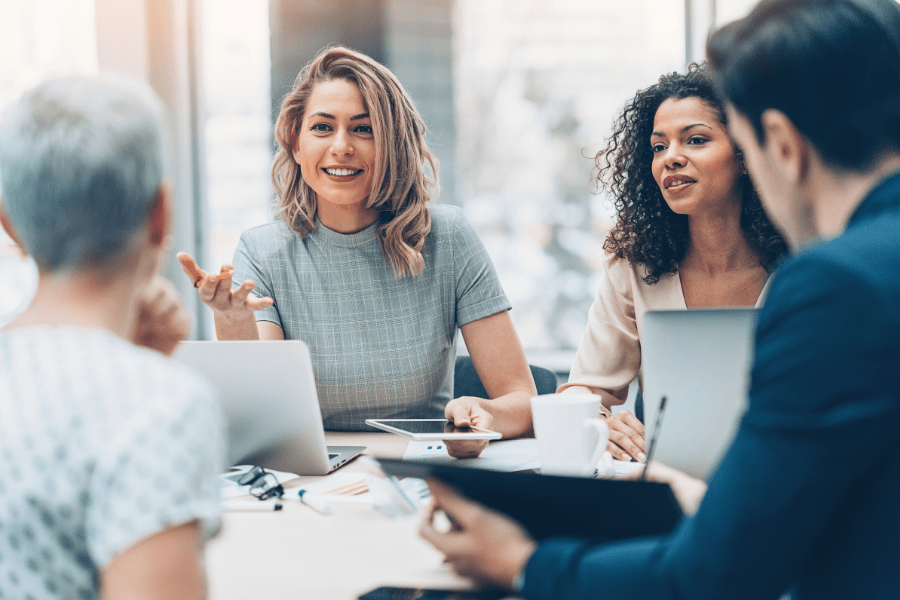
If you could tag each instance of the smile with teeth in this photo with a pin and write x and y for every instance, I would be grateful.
(678, 183)
(343, 172)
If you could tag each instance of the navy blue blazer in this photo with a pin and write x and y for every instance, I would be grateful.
(807, 499)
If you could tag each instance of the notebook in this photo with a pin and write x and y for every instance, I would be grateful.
(700, 360)
(269, 398)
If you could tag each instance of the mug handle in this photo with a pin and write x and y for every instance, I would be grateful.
(602, 439)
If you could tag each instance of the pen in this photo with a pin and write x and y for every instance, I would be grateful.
(317, 502)
(652, 446)
(251, 505)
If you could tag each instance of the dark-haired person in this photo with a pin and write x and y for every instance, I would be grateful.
(798, 504)
(690, 232)
(110, 453)
(363, 269)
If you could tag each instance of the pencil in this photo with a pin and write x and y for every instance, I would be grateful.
(653, 438)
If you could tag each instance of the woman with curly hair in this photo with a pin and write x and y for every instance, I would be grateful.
(362, 269)
(690, 232)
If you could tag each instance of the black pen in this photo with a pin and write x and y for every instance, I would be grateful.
(652, 446)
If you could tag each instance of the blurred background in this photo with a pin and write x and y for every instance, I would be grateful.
(517, 95)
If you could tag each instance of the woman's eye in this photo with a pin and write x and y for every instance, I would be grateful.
(697, 140)
(364, 129)
(321, 127)
(657, 148)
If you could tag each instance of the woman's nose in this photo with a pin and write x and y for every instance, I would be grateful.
(341, 143)
(674, 157)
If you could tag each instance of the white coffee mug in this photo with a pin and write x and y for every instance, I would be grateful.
(571, 437)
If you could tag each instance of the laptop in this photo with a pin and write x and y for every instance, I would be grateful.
(269, 398)
(700, 360)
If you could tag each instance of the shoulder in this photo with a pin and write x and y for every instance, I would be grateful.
(271, 235)
(848, 280)
(94, 368)
(172, 387)
(621, 274)
(267, 241)
(452, 234)
(446, 219)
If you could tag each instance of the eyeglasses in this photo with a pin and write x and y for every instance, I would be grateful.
(262, 484)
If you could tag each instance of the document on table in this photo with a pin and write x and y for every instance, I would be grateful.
(506, 455)
(344, 486)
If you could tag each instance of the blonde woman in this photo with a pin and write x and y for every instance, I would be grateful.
(360, 268)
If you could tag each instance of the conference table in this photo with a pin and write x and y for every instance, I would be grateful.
(299, 553)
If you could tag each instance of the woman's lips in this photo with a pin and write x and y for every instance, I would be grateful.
(341, 172)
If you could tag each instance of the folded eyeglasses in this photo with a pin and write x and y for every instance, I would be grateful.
(263, 484)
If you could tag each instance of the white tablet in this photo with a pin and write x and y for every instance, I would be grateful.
(432, 429)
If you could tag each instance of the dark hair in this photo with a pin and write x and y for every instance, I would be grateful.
(647, 232)
(831, 66)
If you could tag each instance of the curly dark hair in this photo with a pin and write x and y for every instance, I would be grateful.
(647, 232)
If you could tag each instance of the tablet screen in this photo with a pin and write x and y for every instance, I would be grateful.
(437, 426)
(432, 429)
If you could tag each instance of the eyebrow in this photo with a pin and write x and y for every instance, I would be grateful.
(683, 129)
(332, 117)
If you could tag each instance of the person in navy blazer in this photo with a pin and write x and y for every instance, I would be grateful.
(807, 499)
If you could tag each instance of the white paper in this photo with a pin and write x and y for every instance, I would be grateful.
(507, 455)
(339, 487)
(231, 489)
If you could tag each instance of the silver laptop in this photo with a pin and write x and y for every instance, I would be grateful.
(269, 398)
(700, 360)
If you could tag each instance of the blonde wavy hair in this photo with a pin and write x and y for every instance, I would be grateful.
(401, 188)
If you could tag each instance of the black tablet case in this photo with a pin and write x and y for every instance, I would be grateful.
(550, 505)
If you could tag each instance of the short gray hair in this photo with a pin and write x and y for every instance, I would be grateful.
(81, 162)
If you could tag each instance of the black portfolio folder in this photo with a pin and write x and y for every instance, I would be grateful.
(550, 505)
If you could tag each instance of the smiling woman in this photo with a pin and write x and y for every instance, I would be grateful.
(690, 232)
(362, 269)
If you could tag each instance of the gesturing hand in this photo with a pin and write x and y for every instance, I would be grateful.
(482, 544)
(162, 320)
(215, 290)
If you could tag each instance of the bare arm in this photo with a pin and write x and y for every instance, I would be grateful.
(167, 565)
(501, 365)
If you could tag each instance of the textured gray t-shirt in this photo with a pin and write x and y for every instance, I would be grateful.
(102, 444)
(381, 346)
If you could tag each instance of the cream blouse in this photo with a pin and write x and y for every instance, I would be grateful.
(609, 354)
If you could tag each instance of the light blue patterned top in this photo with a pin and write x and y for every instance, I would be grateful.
(381, 347)
(102, 444)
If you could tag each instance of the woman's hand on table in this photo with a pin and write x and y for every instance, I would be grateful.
(626, 437)
(481, 544)
(162, 320)
(467, 411)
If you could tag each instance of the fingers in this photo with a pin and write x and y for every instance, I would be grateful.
(209, 289)
(625, 442)
(458, 412)
(632, 421)
(162, 320)
(465, 448)
(190, 268)
(242, 296)
(254, 303)
(467, 412)
(225, 273)
(459, 509)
